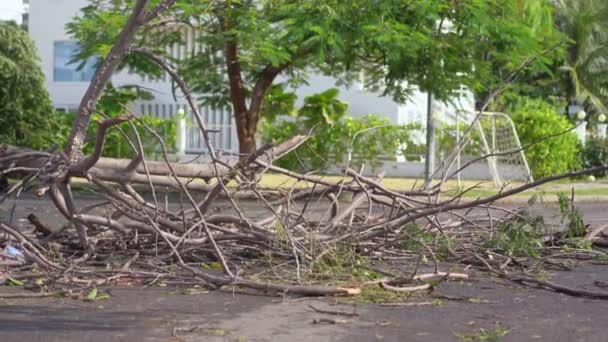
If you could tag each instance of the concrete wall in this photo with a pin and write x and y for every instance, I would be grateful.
(47, 26)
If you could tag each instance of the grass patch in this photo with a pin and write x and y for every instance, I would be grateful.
(484, 189)
(374, 294)
(490, 335)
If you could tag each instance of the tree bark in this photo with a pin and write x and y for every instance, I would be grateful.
(119, 170)
(101, 78)
(247, 118)
(238, 97)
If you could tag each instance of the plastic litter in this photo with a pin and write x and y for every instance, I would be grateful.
(14, 252)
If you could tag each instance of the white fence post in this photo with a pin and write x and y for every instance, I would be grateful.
(181, 133)
(581, 130)
(601, 130)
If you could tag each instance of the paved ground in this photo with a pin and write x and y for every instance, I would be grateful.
(163, 314)
(157, 314)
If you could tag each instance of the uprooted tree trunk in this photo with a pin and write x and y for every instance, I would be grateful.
(293, 227)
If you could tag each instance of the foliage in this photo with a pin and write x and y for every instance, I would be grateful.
(342, 260)
(117, 146)
(335, 135)
(114, 102)
(575, 225)
(415, 238)
(577, 74)
(585, 66)
(518, 237)
(595, 153)
(539, 80)
(485, 335)
(437, 45)
(278, 102)
(447, 140)
(27, 116)
(550, 148)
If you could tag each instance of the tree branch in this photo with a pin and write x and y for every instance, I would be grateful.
(100, 141)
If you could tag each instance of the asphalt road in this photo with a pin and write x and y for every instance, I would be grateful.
(165, 314)
(160, 314)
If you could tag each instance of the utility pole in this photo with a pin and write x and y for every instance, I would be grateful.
(429, 163)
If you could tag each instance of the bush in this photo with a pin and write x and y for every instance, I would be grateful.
(112, 103)
(334, 134)
(540, 128)
(27, 116)
(118, 147)
(595, 153)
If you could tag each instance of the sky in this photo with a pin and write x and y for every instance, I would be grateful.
(11, 10)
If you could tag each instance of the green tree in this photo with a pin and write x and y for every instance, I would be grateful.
(436, 45)
(27, 116)
(584, 69)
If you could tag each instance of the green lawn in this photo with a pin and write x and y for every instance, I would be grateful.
(482, 188)
(598, 189)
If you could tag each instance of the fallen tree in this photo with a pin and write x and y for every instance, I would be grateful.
(310, 223)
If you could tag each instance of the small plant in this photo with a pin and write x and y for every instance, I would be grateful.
(520, 237)
(373, 294)
(342, 261)
(415, 238)
(575, 227)
(491, 335)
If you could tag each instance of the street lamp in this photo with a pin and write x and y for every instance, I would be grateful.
(581, 115)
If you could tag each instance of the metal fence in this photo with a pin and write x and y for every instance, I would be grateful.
(219, 121)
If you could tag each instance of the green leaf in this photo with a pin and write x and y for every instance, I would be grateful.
(92, 296)
(14, 282)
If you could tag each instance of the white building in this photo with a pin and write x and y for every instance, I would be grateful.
(66, 85)
(13, 10)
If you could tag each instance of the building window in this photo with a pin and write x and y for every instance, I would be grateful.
(64, 71)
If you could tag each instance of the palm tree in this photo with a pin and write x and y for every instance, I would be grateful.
(584, 69)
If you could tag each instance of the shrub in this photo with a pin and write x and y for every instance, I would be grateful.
(541, 129)
(27, 116)
(335, 135)
(112, 103)
(595, 153)
(118, 147)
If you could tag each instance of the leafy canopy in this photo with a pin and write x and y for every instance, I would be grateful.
(437, 45)
(584, 69)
